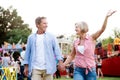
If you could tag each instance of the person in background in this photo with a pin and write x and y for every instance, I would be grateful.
(83, 51)
(16, 64)
(57, 73)
(99, 67)
(1, 66)
(42, 51)
(6, 60)
(71, 69)
(1, 62)
(109, 50)
(22, 55)
(116, 45)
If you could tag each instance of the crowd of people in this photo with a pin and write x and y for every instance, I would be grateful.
(12, 59)
(42, 56)
(112, 49)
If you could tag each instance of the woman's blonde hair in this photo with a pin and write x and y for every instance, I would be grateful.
(83, 26)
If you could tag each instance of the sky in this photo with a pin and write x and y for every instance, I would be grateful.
(63, 14)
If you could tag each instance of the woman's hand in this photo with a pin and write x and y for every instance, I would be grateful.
(110, 12)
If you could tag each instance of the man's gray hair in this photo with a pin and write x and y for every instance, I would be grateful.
(38, 20)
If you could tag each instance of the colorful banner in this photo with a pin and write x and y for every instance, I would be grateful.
(8, 73)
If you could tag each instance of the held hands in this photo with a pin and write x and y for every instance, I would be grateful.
(110, 12)
(61, 66)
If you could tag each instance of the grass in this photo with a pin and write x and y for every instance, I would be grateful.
(105, 78)
(109, 78)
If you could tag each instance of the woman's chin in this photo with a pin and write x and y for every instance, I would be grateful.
(77, 33)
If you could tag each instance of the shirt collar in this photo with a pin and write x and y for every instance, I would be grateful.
(43, 33)
(87, 36)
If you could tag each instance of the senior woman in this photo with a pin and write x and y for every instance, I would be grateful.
(83, 51)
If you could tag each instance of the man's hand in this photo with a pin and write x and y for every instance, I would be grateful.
(26, 70)
(61, 66)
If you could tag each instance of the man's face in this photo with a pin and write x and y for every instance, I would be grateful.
(43, 25)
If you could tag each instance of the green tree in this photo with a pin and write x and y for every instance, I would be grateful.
(22, 34)
(12, 27)
(110, 39)
(116, 32)
(106, 41)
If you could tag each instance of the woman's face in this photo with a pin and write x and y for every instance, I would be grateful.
(78, 30)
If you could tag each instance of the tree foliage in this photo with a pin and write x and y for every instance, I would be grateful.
(110, 39)
(107, 41)
(116, 32)
(12, 27)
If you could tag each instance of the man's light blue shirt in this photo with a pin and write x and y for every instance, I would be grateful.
(52, 52)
